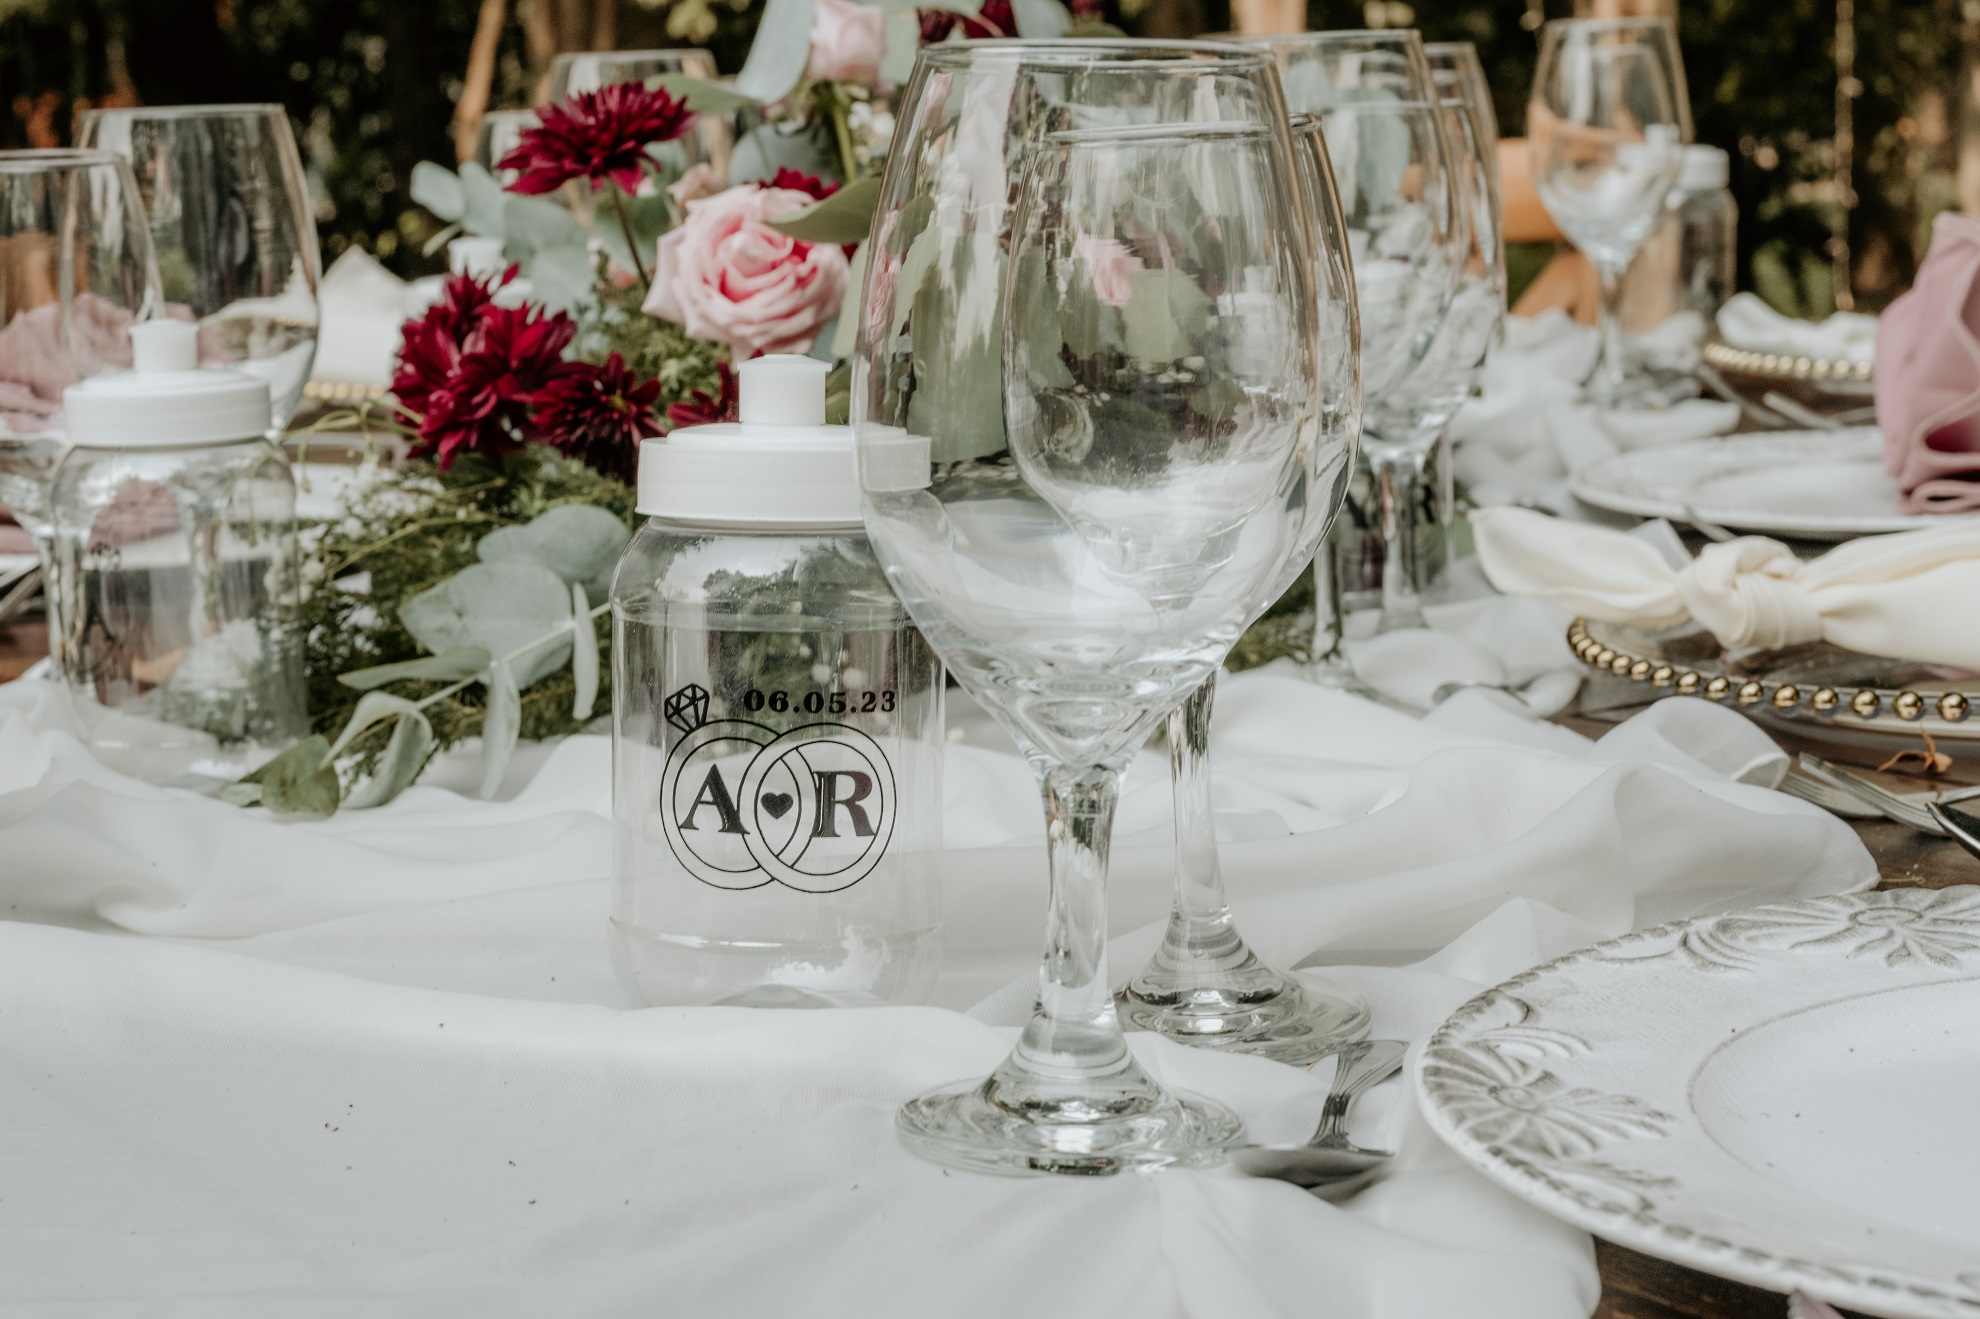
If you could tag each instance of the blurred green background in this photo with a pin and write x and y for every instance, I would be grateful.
(372, 84)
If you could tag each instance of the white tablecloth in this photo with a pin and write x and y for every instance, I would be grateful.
(377, 1064)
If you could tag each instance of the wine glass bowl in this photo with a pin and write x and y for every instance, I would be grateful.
(1606, 127)
(233, 230)
(76, 272)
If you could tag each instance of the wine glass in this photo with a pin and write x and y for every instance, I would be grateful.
(499, 133)
(1607, 124)
(76, 272)
(1385, 130)
(233, 230)
(1205, 986)
(587, 71)
(1457, 71)
(1085, 415)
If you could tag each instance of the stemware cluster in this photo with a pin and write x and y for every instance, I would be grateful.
(1120, 314)
(197, 213)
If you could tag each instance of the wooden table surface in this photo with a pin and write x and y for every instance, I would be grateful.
(1633, 1286)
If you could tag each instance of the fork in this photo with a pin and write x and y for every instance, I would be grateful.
(1909, 810)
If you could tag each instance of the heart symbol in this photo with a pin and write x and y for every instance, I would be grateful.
(776, 803)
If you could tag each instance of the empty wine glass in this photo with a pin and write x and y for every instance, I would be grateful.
(232, 227)
(1085, 415)
(1607, 124)
(76, 272)
(1205, 986)
(499, 133)
(587, 71)
(1457, 71)
(1376, 101)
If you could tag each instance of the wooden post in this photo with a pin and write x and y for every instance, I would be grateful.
(1260, 18)
(480, 77)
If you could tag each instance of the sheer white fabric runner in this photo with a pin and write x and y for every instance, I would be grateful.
(378, 1064)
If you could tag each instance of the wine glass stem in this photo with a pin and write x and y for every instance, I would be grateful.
(1611, 369)
(1399, 480)
(1200, 927)
(1329, 618)
(1074, 1036)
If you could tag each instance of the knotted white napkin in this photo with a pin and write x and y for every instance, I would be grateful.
(1906, 596)
(1747, 322)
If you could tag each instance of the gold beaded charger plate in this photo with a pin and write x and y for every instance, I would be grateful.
(1782, 1095)
(1829, 374)
(1817, 691)
(1812, 485)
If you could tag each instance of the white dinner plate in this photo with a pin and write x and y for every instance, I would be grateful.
(1817, 485)
(1789, 1096)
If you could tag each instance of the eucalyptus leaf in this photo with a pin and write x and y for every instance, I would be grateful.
(405, 755)
(765, 149)
(504, 607)
(486, 209)
(373, 709)
(844, 217)
(578, 542)
(501, 724)
(439, 190)
(450, 667)
(301, 781)
(531, 224)
(780, 51)
(584, 654)
(845, 328)
(240, 794)
(1165, 314)
(1041, 18)
(561, 277)
(702, 96)
(901, 37)
(441, 237)
(958, 398)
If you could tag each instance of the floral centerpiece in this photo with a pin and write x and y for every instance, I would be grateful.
(652, 235)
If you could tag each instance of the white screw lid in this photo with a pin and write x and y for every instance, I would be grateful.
(167, 399)
(1704, 169)
(780, 466)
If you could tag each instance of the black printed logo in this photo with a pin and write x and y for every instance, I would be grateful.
(743, 805)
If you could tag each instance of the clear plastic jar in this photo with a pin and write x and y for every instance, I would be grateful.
(777, 738)
(175, 569)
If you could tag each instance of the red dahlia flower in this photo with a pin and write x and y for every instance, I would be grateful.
(598, 414)
(994, 19)
(701, 410)
(798, 181)
(597, 136)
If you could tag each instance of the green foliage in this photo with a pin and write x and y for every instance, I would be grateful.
(654, 349)
(405, 534)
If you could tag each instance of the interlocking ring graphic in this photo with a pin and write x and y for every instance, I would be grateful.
(743, 805)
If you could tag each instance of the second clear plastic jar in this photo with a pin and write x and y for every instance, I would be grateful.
(777, 773)
(175, 581)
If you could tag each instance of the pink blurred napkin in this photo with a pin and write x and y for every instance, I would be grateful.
(1928, 375)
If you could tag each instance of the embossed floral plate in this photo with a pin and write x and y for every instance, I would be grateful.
(1789, 1096)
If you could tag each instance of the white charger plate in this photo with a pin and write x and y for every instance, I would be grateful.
(1786, 1096)
(1817, 485)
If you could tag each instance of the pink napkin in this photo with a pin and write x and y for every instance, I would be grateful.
(1928, 375)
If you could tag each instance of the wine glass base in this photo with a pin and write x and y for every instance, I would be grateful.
(1298, 1024)
(961, 1126)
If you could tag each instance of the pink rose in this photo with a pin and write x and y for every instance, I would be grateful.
(848, 41)
(726, 275)
(1111, 267)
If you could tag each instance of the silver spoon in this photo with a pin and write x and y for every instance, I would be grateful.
(1330, 1157)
